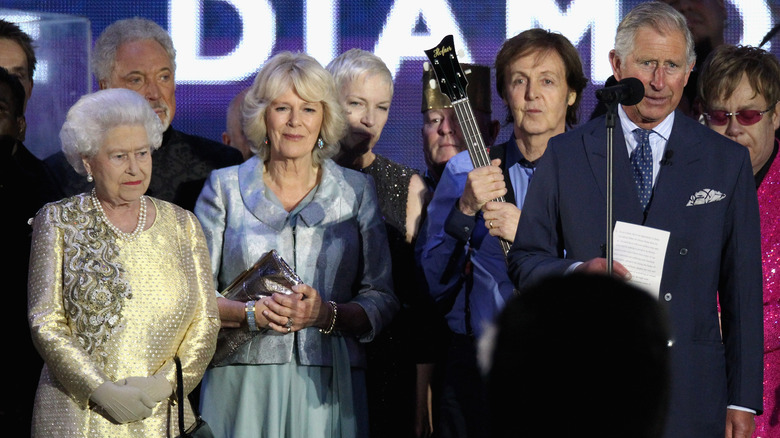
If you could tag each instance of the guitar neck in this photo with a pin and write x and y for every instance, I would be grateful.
(475, 144)
(474, 141)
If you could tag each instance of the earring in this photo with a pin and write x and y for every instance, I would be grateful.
(320, 143)
(266, 141)
(89, 177)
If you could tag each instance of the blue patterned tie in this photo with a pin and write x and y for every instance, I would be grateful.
(642, 163)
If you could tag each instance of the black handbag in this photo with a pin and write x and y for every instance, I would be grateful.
(200, 429)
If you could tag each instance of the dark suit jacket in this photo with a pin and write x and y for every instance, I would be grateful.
(713, 254)
(25, 186)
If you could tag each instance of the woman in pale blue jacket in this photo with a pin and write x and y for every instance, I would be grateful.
(302, 373)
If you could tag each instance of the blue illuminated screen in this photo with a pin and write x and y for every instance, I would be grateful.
(222, 43)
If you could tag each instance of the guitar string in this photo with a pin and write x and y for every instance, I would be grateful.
(466, 114)
(475, 143)
(462, 109)
(477, 150)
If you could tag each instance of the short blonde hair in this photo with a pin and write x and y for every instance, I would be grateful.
(354, 62)
(304, 75)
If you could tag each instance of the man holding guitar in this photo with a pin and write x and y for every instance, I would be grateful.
(539, 77)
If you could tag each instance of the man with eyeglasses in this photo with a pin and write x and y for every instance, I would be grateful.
(670, 173)
(740, 90)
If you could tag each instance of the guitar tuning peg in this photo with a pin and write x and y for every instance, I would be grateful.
(467, 71)
(432, 84)
(426, 66)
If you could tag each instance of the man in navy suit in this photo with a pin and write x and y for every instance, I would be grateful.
(700, 189)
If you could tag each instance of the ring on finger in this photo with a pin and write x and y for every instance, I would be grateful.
(289, 322)
(490, 224)
(289, 329)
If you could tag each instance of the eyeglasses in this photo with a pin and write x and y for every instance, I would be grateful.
(744, 117)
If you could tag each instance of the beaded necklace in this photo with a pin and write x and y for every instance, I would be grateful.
(121, 234)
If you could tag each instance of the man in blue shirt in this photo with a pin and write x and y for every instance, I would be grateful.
(539, 77)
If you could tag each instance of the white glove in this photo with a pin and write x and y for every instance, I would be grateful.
(156, 387)
(123, 403)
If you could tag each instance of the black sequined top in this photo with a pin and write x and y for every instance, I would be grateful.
(414, 325)
(416, 331)
(392, 187)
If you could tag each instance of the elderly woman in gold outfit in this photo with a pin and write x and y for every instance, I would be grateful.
(301, 374)
(119, 285)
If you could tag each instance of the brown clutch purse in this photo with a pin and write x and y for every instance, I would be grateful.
(269, 275)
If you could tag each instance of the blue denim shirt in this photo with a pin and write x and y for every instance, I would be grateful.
(451, 236)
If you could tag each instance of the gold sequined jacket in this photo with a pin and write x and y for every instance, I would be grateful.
(102, 308)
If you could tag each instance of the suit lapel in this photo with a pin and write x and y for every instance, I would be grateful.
(252, 188)
(250, 180)
(327, 197)
(625, 204)
(683, 152)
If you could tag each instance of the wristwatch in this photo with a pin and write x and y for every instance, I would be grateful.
(250, 316)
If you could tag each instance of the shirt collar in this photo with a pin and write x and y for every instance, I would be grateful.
(663, 129)
(514, 156)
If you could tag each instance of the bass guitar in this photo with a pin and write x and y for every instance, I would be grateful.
(452, 83)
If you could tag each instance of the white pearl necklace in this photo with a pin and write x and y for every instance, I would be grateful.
(121, 234)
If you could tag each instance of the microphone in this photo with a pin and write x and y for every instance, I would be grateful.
(629, 91)
(667, 159)
(769, 35)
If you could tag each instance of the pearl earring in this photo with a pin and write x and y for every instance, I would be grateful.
(89, 177)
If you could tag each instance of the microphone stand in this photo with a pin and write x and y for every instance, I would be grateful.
(629, 91)
(611, 117)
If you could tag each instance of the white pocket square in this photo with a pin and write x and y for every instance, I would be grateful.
(705, 197)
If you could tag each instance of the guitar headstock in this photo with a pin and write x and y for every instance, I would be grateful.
(452, 81)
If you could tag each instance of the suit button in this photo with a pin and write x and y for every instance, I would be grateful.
(683, 251)
(668, 296)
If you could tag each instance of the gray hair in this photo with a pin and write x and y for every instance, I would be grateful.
(125, 31)
(354, 62)
(660, 17)
(89, 119)
(304, 75)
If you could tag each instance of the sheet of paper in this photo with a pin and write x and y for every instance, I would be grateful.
(642, 250)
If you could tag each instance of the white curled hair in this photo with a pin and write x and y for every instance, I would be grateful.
(89, 119)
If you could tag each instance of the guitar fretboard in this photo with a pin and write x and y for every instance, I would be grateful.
(475, 144)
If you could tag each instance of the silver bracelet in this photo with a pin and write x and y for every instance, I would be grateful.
(249, 308)
(329, 330)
